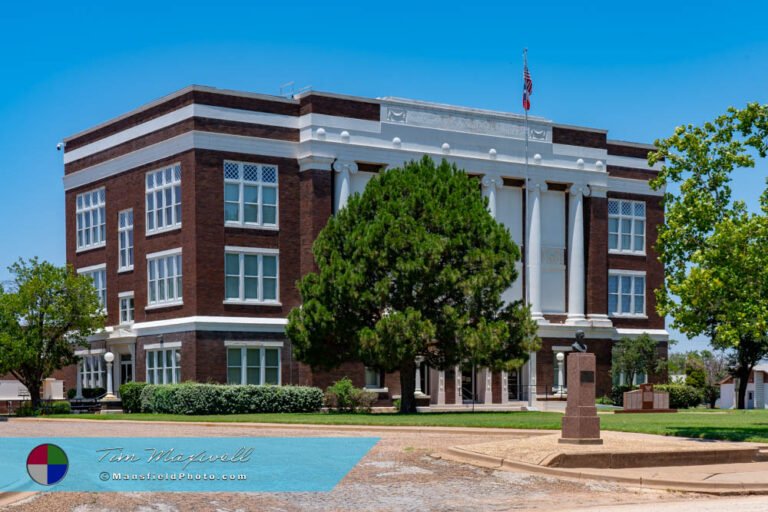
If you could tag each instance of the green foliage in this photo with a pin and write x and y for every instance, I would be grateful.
(415, 266)
(396, 403)
(632, 356)
(617, 394)
(130, 394)
(343, 396)
(45, 313)
(713, 250)
(695, 377)
(682, 396)
(71, 392)
(204, 399)
(26, 409)
(604, 400)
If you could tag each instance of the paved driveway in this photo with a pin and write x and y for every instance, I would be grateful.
(398, 474)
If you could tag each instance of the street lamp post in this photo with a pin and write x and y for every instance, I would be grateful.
(109, 357)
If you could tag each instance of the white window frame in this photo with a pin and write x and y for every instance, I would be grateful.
(618, 274)
(633, 224)
(92, 371)
(159, 371)
(99, 283)
(171, 182)
(241, 183)
(371, 371)
(127, 308)
(170, 259)
(242, 252)
(95, 212)
(262, 347)
(125, 231)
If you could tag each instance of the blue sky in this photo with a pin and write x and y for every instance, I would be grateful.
(636, 70)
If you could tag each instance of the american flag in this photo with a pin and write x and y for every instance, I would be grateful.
(527, 88)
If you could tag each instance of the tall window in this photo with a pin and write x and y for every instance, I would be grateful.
(163, 366)
(253, 365)
(92, 371)
(626, 226)
(89, 211)
(626, 293)
(372, 378)
(163, 193)
(251, 275)
(99, 275)
(164, 278)
(250, 194)
(126, 308)
(125, 239)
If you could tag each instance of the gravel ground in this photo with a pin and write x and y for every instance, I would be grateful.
(398, 474)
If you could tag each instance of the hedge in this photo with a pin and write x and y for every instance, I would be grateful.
(343, 396)
(203, 399)
(681, 396)
(130, 394)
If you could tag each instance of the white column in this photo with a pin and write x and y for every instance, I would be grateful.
(488, 398)
(504, 387)
(560, 362)
(759, 390)
(457, 384)
(490, 184)
(80, 375)
(343, 185)
(133, 362)
(441, 387)
(576, 255)
(418, 391)
(537, 186)
(532, 380)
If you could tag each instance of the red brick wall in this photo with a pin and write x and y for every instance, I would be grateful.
(650, 264)
(596, 241)
(127, 190)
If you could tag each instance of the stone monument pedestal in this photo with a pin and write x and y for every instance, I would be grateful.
(581, 425)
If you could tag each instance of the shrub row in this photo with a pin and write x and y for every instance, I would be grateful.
(192, 398)
(682, 396)
(130, 394)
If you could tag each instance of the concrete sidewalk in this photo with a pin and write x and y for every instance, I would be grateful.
(725, 478)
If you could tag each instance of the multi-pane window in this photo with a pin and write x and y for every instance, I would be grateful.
(250, 275)
(253, 365)
(164, 278)
(626, 293)
(99, 276)
(91, 220)
(626, 226)
(126, 308)
(92, 371)
(250, 194)
(163, 193)
(163, 366)
(125, 239)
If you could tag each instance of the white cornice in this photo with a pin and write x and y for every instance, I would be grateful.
(211, 323)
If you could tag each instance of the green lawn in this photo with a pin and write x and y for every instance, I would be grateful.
(729, 425)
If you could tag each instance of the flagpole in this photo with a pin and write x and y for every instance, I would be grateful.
(532, 356)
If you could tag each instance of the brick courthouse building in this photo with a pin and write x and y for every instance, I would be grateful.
(195, 215)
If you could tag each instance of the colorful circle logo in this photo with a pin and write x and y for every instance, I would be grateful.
(47, 464)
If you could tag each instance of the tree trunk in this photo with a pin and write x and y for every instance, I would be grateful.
(742, 373)
(408, 387)
(34, 394)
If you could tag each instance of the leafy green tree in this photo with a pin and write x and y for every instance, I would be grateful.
(415, 266)
(633, 356)
(45, 313)
(715, 253)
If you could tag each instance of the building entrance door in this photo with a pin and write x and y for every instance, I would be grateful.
(468, 383)
(126, 368)
(513, 384)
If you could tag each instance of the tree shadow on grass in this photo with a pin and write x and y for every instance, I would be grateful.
(754, 433)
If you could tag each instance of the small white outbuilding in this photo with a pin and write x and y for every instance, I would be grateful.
(756, 390)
